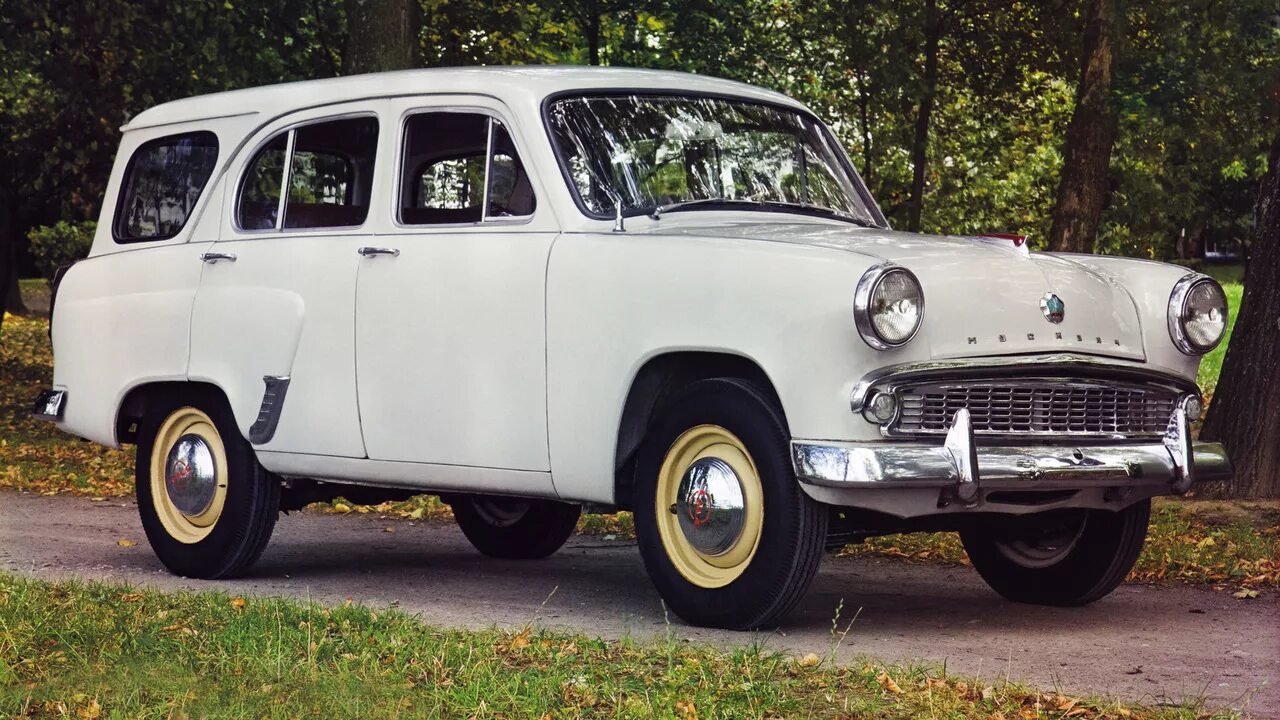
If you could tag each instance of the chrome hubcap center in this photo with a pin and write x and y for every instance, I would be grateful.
(710, 506)
(190, 475)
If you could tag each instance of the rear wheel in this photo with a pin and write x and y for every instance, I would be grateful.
(1063, 557)
(515, 528)
(208, 508)
(727, 535)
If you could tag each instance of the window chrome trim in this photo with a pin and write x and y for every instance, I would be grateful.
(402, 156)
(866, 289)
(1177, 312)
(488, 168)
(286, 177)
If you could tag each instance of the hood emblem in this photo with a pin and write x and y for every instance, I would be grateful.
(1053, 308)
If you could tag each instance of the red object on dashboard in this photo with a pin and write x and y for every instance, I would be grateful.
(1017, 240)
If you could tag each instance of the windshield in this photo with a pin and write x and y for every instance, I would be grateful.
(652, 153)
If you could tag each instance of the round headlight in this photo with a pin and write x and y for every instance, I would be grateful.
(1197, 314)
(888, 306)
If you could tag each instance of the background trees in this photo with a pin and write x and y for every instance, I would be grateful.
(1135, 127)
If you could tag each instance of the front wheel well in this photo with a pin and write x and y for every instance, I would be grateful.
(656, 381)
(140, 399)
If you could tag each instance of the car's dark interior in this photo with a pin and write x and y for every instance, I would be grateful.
(444, 171)
(330, 179)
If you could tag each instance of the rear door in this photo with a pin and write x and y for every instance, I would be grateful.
(277, 296)
(450, 312)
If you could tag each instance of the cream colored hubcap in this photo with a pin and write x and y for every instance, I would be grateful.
(709, 506)
(188, 475)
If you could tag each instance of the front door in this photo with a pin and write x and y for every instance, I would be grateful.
(450, 356)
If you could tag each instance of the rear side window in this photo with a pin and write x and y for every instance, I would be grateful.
(323, 171)
(162, 183)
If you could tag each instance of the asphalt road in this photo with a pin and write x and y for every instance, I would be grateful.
(1148, 644)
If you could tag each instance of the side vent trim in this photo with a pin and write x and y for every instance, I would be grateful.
(264, 428)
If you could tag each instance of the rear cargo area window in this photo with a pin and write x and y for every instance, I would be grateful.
(328, 183)
(161, 185)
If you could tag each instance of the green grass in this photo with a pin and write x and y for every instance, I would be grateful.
(95, 650)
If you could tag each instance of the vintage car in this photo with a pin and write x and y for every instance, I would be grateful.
(530, 290)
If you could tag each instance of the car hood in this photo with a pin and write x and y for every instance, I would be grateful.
(982, 295)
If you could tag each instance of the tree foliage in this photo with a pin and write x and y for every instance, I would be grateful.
(1189, 83)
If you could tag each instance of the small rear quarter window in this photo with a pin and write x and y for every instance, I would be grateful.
(161, 185)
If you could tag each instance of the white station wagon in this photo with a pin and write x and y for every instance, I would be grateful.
(530, 290)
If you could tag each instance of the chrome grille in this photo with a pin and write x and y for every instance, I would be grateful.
(1035, 407)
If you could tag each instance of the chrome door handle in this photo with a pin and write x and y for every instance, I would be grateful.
(213, 257)
(368, 251)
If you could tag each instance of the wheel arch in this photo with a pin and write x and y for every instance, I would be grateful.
(140, 398)
(654, 383)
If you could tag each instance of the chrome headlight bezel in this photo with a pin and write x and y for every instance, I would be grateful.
(864, 299)
(1178, 313)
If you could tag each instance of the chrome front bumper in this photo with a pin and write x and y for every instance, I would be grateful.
(962, 474)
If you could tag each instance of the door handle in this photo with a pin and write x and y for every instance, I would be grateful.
(368, 251)
(213, 257)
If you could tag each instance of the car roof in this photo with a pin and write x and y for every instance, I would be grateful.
(510, 84)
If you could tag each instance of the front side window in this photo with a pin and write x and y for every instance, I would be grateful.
(461, 168)
(162, 183)
(641, 153)
(315, 176)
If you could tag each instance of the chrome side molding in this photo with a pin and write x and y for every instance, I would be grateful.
(264, 427)
(49, 405)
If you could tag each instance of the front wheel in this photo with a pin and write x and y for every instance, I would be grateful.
(1062, 557)
(727, 535)
(207, 506)
(515, 528)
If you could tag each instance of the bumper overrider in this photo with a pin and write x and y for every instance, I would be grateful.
(962, 475)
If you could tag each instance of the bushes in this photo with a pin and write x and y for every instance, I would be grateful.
(60, 244)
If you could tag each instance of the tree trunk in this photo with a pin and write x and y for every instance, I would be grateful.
(1082, 191)
(381, 35)
(13, 296)
(6, 273)
(1243, 414)
(920, 144)
(591, 26)
(8, 254)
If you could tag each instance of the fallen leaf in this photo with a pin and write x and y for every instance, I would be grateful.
(809, 660)
(388, 529)
(125, 543)
(131, 597)
(887, 683)
(521, 640)
(988, 692)
(1246, 594)
(237, 603)
(1207, 542)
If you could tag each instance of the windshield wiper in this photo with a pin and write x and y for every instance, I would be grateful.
(819, 210)
(657, 211)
